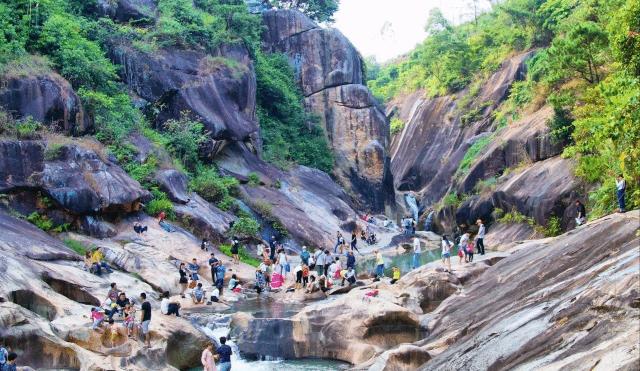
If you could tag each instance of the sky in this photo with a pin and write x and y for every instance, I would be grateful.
(389, 28)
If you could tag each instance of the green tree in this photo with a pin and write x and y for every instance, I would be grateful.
(318, 10)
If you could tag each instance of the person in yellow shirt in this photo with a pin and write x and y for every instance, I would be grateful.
(396, 275)
(97, 263)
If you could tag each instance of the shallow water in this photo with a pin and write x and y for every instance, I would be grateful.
(404, 261)
(289, 365)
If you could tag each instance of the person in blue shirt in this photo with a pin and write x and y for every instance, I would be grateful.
(224, 352)
(220, 271)
(193, 268)
(351, 260)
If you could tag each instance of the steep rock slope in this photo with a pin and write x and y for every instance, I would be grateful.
(428, 151)
(330, 75)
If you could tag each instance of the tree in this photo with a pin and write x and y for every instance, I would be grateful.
(318, 10)
(581, 51)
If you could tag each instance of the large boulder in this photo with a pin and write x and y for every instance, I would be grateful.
(47, 98)
(174, 184)
(203, 218)
(77, 178)
(219, 91)
(330, 75)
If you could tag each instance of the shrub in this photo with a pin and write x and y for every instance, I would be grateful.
(242, 254)
(40, 221)
(212, 187)
(28, 129)
(245, 227)
(76, 246)
(53, 151)
(553, 228)
(183, 139)
(253, 179)
(472, 153)
(263, 208)
(158, 204)
(396, 125)
(515, 217)
(228, 203)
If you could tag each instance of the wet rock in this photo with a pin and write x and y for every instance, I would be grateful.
(96, 227)
(174, 184)
(219, 91)
(47, 98)
(348, 328)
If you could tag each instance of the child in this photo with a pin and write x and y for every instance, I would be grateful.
(396, 275)
(198, 294)
(305, 275)
(112, 331)
(470, 251)
(97, 317)
(298, 272)
(129, 319)
(234, 284)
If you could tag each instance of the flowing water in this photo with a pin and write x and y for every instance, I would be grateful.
(218, 324)
(403, 261)
(412, 203)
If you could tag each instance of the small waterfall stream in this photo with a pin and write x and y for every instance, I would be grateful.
(412, 203)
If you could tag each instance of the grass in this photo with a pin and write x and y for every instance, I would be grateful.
(242, 254)
(552, 229)
(473, 152)
(76, 246)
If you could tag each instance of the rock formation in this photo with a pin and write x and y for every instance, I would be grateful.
(46, 98)
(330, 75)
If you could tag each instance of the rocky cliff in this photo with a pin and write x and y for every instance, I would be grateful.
(330, 74)
(512, 167)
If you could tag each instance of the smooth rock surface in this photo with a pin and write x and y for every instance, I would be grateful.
(48, 99)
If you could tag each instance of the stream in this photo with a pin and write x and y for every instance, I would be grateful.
(404, 261)
(218, 324)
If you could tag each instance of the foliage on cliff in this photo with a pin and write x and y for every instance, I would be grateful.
(70, 37)
(586, 66)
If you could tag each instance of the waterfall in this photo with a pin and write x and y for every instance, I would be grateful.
(412, 203)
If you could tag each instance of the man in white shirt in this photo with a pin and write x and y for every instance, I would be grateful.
(417, 249)
(621, 187)
(480, 236)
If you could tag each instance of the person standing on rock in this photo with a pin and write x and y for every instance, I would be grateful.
(182, 270)
(272, 250)
(480, 236)
(351, 260)
(379, 265)
(235, 250)
(207, 359)
(446, 252)
(220, 272)
(354, 241)
(304, 255)
(581, 213)
(462, 247)
(213, 265)
(193, 268)
(145, 319)
(225, 352)
(327, 262)
(417, 250)
(339, 242)
(621, 188)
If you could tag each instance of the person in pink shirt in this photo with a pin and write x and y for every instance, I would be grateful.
(207, 359)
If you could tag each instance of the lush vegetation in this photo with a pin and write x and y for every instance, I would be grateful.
(586, 66)
(76, 246)
(245, 227)
(552, 229)
(244, 256)
(318, 10)
(290, 134)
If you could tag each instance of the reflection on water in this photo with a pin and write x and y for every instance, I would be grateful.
(403, 261)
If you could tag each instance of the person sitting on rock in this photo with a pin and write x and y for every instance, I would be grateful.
(139, 228)
(168, 307)
(363, 235)
(161, 217)
(98, 263)
(97, 316)
(122, 302)
(193, 268)
(234, 284)
(349, 276)
(198, 294)
(396, 275)
(581, 213)
(313, 285)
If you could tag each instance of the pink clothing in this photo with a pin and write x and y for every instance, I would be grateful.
(207, 360)
(97, 315)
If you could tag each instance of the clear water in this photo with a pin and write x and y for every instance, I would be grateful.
(403, 261)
